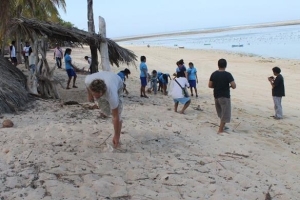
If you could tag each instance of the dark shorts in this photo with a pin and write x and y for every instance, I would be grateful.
(143, 81)
(192, 83)
(14, 60)
(71, 72)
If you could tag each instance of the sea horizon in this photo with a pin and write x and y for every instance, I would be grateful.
(276, 40)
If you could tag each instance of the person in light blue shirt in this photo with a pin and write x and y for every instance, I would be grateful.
(123, 75)
(163, 80)
(70, 68)
(192, 78)
(143, 76)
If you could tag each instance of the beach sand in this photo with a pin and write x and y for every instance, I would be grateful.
(57, 151)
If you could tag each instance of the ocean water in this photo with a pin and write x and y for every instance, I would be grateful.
(275, 42)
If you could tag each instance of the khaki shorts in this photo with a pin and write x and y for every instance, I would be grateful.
(223, 107)
(105, 107)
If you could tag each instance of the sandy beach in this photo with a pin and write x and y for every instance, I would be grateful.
(57, 151)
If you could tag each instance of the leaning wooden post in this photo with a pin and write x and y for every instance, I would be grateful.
(103, 46)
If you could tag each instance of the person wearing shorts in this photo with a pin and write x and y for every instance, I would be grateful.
(221, 81)
(143, 76)
(192, 78)
(177, 93)
(70, 68)
(107, 88)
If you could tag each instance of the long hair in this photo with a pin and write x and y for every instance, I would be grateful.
(68, 51)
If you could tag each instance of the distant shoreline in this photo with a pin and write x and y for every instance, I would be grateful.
(216, 30)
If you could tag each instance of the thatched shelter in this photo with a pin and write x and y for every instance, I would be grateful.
(14, 93)
(32, 27)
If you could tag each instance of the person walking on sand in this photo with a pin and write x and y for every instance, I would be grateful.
(221, 81)
(192, 78)
(176, 91)
(278, 92)
(58, 54)
(143, 76)
(107, 88)
(70, 68)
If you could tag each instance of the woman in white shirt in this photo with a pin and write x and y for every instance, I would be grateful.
(177, 86)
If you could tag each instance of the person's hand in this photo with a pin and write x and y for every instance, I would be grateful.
(197, 81)
(126, 92)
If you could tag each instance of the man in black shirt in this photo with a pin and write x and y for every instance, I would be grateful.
(221, 81)
(277, 91)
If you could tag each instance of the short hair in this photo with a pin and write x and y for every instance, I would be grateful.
(127, 71)
(98, 85)
(191, 64)
(180, 62)
(277, 70)
(222, 63)
(86, 57)
(143, 58)
(180, 75)
(13, 42)
(154, 72)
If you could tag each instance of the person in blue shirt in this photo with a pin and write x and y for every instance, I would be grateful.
(143, 76)
(163, 80)
(192, 78)
(70, 68)
(123, 75)
(181, 69)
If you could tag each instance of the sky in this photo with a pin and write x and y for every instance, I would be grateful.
(141, 17)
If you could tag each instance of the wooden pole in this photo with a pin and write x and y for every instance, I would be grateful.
(91, 28)
(103, 46)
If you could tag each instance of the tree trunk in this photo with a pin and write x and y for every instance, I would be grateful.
(91, 28)
(103, 46)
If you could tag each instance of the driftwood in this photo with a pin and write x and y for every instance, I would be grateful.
(103, 46)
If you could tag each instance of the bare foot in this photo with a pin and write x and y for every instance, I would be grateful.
(116, 142)
(74, 86)
(68, 88)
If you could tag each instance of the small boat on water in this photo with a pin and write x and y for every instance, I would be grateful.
(206, 44)
(181, 47)
(237, 45)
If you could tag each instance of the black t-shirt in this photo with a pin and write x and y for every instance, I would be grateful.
(221, 80)
(278, 89)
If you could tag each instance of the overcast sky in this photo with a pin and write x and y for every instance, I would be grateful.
(141, 17)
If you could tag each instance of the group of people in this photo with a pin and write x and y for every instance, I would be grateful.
(107, 88)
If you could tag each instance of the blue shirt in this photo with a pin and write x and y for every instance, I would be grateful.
(192, 73)
(68, 61)
(163, 81)
(122, 75)
(143, 69)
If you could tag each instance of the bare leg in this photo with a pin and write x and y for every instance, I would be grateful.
(74, 80)
(221, 127)
(196, 91)
(176, 106)
(68, 83)
(185, 107)
(191, 91)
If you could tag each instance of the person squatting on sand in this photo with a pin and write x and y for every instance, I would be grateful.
(221, 81)
(163, 81)
(89, 60)
(70, 68)
(277, 91)
(143, 76)
(176, 91)
(123, 75)
(107, 88)
(192, 78)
